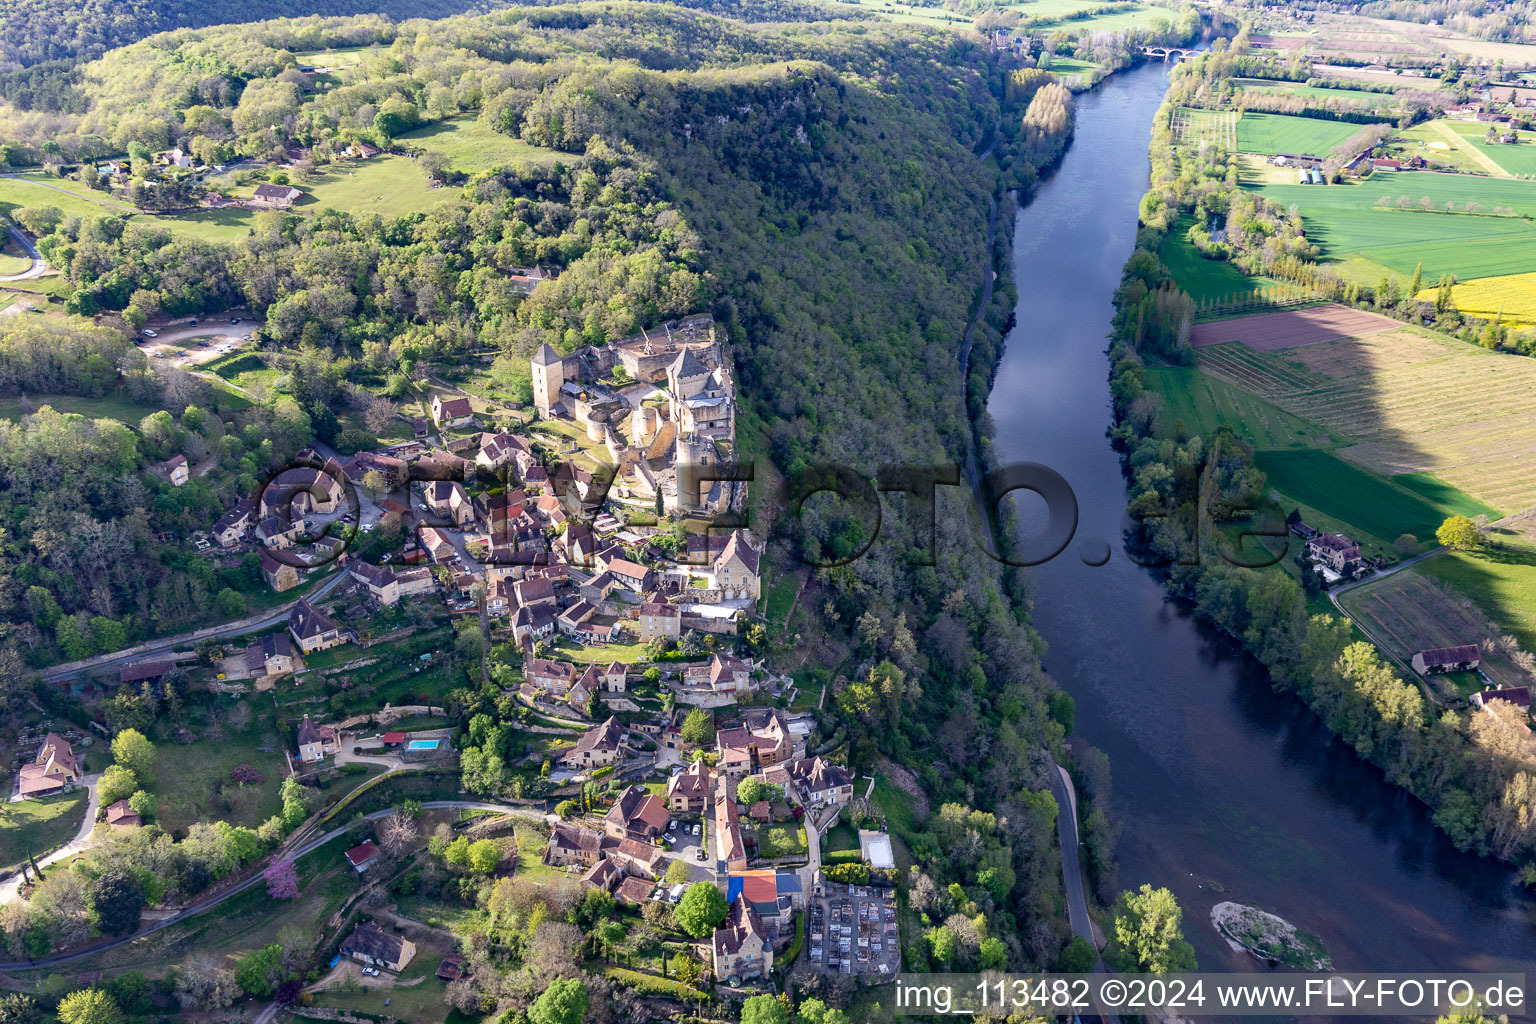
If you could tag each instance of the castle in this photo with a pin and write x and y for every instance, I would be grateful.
(662, 402)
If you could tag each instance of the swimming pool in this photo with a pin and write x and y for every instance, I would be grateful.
(422, 744)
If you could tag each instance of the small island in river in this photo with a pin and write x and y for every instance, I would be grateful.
(1269, 937)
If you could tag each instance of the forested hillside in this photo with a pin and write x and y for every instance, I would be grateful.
(36, 31)
(816, 186)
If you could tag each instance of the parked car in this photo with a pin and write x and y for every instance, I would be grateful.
(192, 323)
(372, 972)
(235, 320)
(149, 333)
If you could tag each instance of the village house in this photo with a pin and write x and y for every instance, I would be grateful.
(572, 619)
(451, 412)
(270, 656)
(636, 814)
(144, 672)
(447, 498)
(1447, 659)
(813, 782)
(315, 741)
(689, 790)
(570, 844)
(498, 450)
(276, 197)
(532, 591)
(740, 945)
(550, 675)
(736, 568)
(411, 582)
(1335, 551)
(659, 620)
(312, 629)
(605, 875)
(231, 527)
(378, 580)
(393, 471)
(533, 623)
(526, 279)
(304, 489)
(436, 544)
(632, 575)
(175, 470)
(1519, 696)
(369, 944)
(598, 746)
(615, 677)
(730, 848)
(51, 771)
(362, 856)
(280, 576)
(122, 815)
(764, 739)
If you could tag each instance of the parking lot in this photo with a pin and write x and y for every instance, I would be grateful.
(853, 931)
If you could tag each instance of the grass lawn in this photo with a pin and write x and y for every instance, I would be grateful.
(1501, 581)
(781, 841)
(112, 408)
(336, 57)
(416, 994)
(1203, 278)
(390, 186)
(471, 146)
(226, 225)
(70, 197)
(1317, 92)
(842, 837)
(1281, 133)
(1346, 492)
(13, 258)
(599, 654)
(192, 782)
(37, 827)
(244, 369)
(1364, 220)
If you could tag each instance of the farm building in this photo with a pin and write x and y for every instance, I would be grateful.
(1519, 696)
(1447, 659)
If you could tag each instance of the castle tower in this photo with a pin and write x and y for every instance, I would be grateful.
(548, 371)
(693, 453)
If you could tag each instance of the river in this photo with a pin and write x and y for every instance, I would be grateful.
(1226, 789)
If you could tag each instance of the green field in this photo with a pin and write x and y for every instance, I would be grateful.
(390, 186)
(1204, 403)
(1346, 492)
(337, 57)
(70, 197)
(1280, 133)
(119, 409)
(471, 146)
(1316, 92)
(192, 782)
(1501, 581)
(244, 370)
(1351, 221)
(37, 827)
(1443, 496)
(1202, 278)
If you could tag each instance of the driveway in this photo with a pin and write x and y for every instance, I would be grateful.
(38, 267)
(11, 887)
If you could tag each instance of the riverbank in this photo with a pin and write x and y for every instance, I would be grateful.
(1225, 789)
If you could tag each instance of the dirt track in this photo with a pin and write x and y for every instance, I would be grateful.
(1292, 328)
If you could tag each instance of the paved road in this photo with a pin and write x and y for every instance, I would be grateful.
(1071, 866)
(168, 644)
(11, 887)
(38, 267)
(208, 904)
